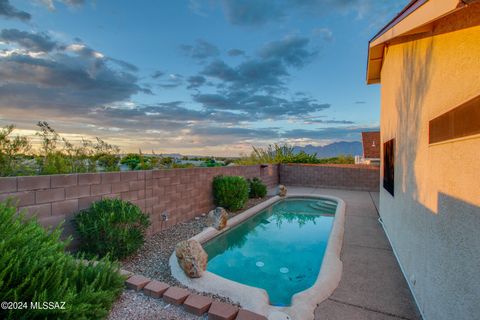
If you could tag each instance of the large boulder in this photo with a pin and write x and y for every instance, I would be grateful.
(282, 190)
(217, 218)
(191, 258)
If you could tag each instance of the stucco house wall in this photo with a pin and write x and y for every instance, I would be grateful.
(433, 220)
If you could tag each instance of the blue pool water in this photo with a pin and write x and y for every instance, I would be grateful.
(280, 249)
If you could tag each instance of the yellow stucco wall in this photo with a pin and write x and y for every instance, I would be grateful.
(433, 221)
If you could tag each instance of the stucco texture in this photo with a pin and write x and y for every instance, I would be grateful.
(433, 221)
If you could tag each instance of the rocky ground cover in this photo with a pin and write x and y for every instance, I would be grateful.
(152, 261)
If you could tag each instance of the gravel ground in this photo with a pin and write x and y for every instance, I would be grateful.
(152, 261)
(135, 305)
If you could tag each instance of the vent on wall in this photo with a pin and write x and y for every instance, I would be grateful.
(460, 122)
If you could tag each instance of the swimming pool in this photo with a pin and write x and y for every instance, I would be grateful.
(280, 249)
(324, 262)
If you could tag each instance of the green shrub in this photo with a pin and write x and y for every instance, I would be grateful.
(132, 160)
(112, 227)
(257, 188)
(230, 192)
(35, 268)
(109, 162)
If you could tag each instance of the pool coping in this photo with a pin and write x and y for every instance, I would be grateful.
(256, 299)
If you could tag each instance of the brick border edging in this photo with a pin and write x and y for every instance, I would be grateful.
(191, 302)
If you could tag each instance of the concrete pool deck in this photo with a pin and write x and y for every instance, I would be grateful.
(372, 285)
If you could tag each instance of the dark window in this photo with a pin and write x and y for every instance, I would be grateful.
(389, 166)
(459, 122)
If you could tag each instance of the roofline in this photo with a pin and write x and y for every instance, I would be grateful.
(409, 8)
(417, 17)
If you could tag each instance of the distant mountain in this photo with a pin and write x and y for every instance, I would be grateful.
(333, 150)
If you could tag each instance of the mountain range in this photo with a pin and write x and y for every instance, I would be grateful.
(335, 149)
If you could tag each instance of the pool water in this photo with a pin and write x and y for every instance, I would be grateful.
(280, 249)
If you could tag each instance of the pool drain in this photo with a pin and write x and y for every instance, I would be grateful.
(284, 270)
(259, 264)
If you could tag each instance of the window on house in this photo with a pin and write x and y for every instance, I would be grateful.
(389, 166)
(460, 122)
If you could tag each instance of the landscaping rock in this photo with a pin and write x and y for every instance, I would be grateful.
(217, 218)
(282, 190)
(191, 258)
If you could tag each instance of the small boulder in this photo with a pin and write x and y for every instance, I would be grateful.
(282, 190)
(191, 258)
(217, 218)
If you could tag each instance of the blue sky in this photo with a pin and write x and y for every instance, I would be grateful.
(195, 77)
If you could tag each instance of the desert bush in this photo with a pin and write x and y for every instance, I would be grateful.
(34, 267)
(230, 192)
(285, 154)
(166, 161)
(105, 155)
(12, 151)
(137, 161)
(55, 155)
(132, 160)
(338, 160)
(277, 154)
(257, 189)
(175, 165)
(111, 227)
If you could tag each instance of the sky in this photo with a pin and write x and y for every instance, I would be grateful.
(199, 77)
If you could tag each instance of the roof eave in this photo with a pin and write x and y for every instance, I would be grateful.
(417, 17)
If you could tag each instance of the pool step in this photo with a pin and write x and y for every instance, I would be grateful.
(328, 202)
(325, 206)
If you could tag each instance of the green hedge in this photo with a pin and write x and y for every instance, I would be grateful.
(230, 192)
(257, 188)
(111, 227)
(35, 268)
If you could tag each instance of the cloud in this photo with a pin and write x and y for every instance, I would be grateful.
(169, 115)
(237, 132)
(257, 85)
(195, 82)
(74, 2)
(254, 74)
(173, 80)
(328, 121)
(201, 51)
(363, 9)
(76, 79)
(252, 12)
(265, 72)
(293, 51)
(235, 52)
(158, 74)
(333, 133)
(36, 42)
(325, 33)
(260, 12)
(10, 12)
(196, 7)
(50, 4)
(259, 106)
(124, 64)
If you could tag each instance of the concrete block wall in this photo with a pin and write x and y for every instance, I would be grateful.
(337, 176)
(182, 193)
